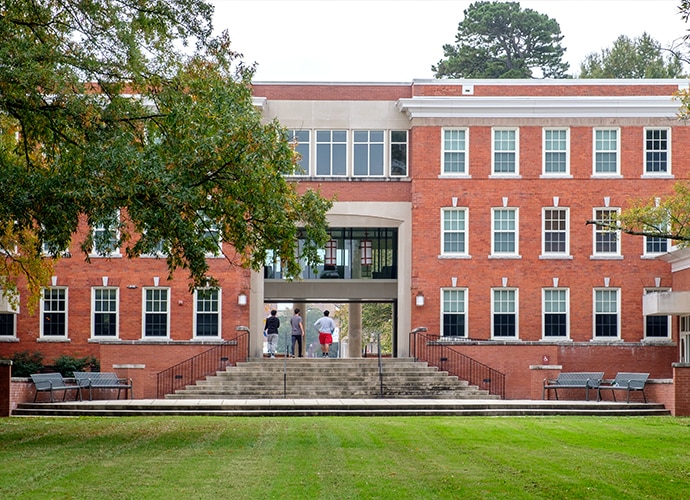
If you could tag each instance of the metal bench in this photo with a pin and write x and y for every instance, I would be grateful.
(53, 382)
(573, 380)
(103, 380)
(627, 382)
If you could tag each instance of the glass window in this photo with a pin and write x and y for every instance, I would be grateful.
(331, 152)
(156, 307)
(605, 239)
(105, 308)
(654, 245)
(454, 151)
(606, 151)
(54, 312)
(368, 152)
(505, 151)
(454, 231)
(504, 234)
(504, 312)
(555, 312)
(301, 141)
(657, 327)
(106, 237)
(454, 313)
(556, 151)
(555, 236)
(606, 321)
(7, 324)
(656, 151)
(207, 314)
(398, 153)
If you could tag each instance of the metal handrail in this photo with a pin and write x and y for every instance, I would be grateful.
(456, 363)
(203, 364)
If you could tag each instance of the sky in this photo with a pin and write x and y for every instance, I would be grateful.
(399, 40)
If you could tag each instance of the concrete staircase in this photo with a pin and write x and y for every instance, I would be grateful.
(319, 378)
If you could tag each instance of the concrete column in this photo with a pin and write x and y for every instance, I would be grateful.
(354, 336)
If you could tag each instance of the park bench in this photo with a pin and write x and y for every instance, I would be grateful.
(53, 382)
(103, 380)
(573, 380)
(627, 382)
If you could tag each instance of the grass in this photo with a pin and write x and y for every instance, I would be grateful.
(345, 457)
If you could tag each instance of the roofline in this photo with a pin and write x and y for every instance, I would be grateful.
(680, 82)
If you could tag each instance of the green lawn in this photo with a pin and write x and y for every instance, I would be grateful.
(345, 457)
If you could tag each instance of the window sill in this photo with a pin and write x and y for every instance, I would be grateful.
(509, 257)
(454, 257)
(505, 176)
(555, 176)
(605, 257)
(55, 339)
(657, 176)
(556, 257)
(455, 176)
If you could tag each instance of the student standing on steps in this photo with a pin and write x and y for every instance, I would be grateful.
(326, 326)
(297, 333)
(271, 329)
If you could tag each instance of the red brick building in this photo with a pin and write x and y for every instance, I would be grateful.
(462, 203)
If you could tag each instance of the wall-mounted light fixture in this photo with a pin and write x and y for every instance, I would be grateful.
(242, 299)
(419, 299)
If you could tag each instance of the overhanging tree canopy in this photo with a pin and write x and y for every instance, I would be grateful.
(104, 109)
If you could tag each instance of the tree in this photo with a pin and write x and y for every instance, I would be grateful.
(500, 40)
(109, 116)
(641, 57)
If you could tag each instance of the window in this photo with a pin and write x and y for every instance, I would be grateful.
(556, 158)
(454, 232)
(398, 152)
(605, 239)
(656, 151)
(504, 312)
(207, 313)
(606, 152)
(106, 237)
(555, 312)
(505, 152)
(105, 307)
(368, 152)
(212, 236)
(454, 149)
(555, 236)
(606, 307)
(657, 327)
(54, 312)
(8, 324)
(301, 141)
(331, 152)
(454, 313)
(654, 245)
(504, 235)
(156, 307)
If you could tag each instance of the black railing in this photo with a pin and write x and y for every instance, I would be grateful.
(203, 364)
(426, 347)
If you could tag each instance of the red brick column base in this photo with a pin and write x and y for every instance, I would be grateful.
(681, 388)
(5, 387)
(538, 373)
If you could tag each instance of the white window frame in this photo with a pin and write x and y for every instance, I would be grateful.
(546, 309)
(145, 311)
(596, 151)
(515, 231)
(461, 305)
(303, 147)
(391, 154)
(370, 145)
(94, 312)
(217, 313)
(645, 168)
(546, 150)
(14, 325)
(596, 312)
(100, 228)
(44, 311)
(515, 151)
(550, 254)
(330, 145)
(464, 151)
(669, 319)
(684, 338)
(464, 231)
(647, 240)
(598, 231)
(515, 312)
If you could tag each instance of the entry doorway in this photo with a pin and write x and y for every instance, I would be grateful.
(378, 323)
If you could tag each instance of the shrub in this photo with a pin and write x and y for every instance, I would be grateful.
(67, 365)
(24, 363)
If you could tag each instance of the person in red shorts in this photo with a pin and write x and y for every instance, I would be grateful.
(325, 326)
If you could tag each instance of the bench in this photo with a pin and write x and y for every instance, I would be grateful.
(103, 380)
(574, 380)
(627, 382)
(53, 382)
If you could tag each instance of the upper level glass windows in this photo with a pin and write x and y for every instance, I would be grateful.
(606, 152)
(657, 151)
(368, 153)
(331, 152)
(556, 157)
(454, 152)
(505, 152)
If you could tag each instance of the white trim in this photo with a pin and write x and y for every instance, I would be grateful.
(219, 314)
(567, 312)
(465, 304)
(93, 313)
(143, 314)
